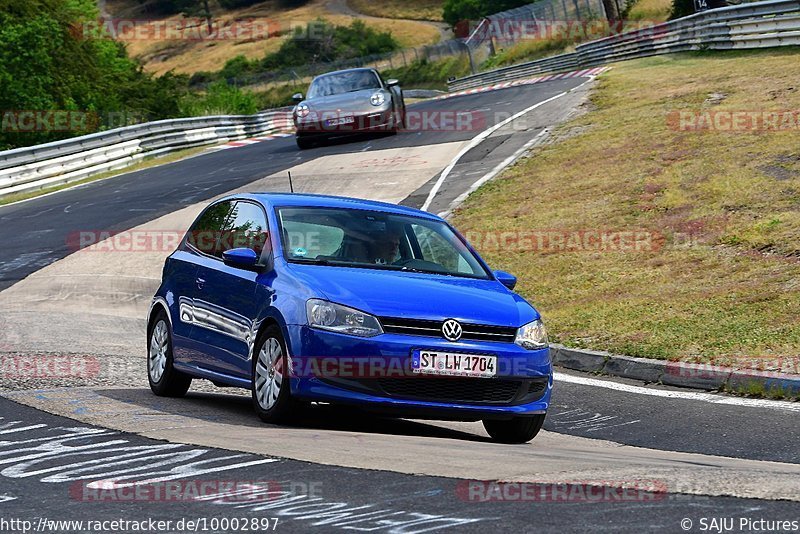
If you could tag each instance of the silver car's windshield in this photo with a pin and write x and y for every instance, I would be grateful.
(343, 82)
(375, 240)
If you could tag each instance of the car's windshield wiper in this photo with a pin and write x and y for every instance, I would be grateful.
(314, 261)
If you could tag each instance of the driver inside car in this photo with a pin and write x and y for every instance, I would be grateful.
(386, 246)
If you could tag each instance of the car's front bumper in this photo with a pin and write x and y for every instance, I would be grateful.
(374, 373)
(378, 120)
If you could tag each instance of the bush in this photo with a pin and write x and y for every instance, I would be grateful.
(681, 8)
(424, 74)
(219, 99)
(54, 58)
(321, 41)
(279, 96)
(455, 11)
(236, 68)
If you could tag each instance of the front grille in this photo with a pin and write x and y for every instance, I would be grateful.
(482, 390)
(419, 327)
(450, 389)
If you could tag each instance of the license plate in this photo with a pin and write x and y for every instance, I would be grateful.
(340, 120)
(429, 362)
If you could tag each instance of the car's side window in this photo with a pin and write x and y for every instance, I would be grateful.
(204, 234)
(310, 240)
(245, 227)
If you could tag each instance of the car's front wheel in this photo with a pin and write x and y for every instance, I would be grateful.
(303, 143)
(165, 380)
(516, 430)
(271, 396)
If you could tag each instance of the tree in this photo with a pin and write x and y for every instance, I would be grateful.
(54, 58)
(455, 11)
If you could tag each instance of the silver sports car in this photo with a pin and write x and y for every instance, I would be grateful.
(345, 102)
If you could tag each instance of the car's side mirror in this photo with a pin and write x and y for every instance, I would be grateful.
(241, 258)
(297, 97)
(392, 82)
(507, 279)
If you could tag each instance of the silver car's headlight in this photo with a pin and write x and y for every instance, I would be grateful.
(532, 336)
(377, 99)
(337, 318)
(302, 110)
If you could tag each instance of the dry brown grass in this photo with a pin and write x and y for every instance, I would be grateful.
(400, 9)
(187, 56)
(726, 282)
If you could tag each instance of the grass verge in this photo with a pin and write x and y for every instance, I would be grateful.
(146, 164)
(401, 9)
(650, 10)
(721, 281)
(429, 74)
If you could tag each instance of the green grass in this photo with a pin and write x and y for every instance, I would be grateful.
(429, 74)
(729, 291)
(650, 10)
(527, 51)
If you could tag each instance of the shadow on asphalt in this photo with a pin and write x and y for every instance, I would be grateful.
(238, 409)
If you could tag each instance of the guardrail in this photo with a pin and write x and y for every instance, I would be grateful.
(757, 25)
(28, 169)
(481, 42)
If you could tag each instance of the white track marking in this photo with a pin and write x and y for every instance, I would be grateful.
(685, 395)
(497, 170)
(478, 139)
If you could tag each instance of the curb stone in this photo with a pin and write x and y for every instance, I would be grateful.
(422, 93)
(707, 377)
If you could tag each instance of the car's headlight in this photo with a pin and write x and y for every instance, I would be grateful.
(302, 110)
(532, 336)
(337, 318)
(377, 99)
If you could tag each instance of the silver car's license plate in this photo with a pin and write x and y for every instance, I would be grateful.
(340, 120)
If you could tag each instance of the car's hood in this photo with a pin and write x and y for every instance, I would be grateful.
(357, 101)
(417, 295)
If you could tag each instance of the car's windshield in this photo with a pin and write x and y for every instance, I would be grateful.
(343, 82)
(368, 239)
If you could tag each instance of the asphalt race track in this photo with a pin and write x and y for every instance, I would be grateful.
(616, 455)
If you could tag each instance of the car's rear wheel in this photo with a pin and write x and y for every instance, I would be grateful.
(516, 430)
(271, 395)
(165, 380)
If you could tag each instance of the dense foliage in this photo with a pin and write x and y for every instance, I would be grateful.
(52, 60)
(317, 42)
(455, 11)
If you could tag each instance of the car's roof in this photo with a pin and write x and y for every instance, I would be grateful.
(329, 201)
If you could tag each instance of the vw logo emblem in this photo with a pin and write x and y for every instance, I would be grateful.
(451, 330)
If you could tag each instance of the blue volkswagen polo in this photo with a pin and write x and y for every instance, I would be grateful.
(306, 298)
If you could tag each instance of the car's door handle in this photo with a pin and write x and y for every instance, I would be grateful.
(200, 283)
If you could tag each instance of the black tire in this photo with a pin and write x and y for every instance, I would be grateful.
(284, 408)
(303, 143)
(399, 120)
(170, 382)
(516, 430)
